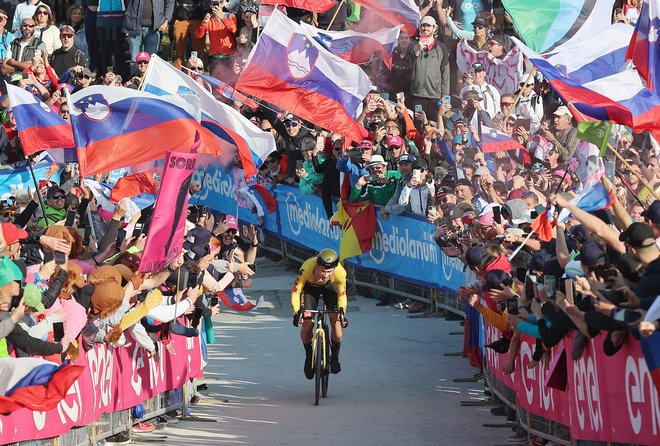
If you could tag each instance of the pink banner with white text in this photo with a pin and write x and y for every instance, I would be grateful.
(114, 379)
(607, 398)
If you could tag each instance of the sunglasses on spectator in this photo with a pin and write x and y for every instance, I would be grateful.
(267, 129)
(479, 26)
(64, 112)
(27, 25)
(58, 197)
(142, 62)
(506, 104)
(8, 213)
(272, 161)
(42, 12)
(391, 127)
(291, 124)
(394, 147)
(196, 69)
(66, 36)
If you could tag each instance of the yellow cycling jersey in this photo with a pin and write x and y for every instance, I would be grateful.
(306, 276)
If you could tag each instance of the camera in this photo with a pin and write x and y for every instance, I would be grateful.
(373, 179)
(354, 152)
(374, 125)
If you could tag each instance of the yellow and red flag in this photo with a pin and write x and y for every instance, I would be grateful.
(358, 224)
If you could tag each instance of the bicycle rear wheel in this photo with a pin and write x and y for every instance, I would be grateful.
(318, 368)
(326, 371)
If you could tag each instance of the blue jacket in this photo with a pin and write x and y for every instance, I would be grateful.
(355, 170)
(162, 11)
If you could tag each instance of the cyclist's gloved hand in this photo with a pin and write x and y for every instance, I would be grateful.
(296, 319)
(344, 321)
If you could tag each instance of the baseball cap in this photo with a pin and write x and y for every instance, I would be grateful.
(291, 117)
(638, 235)
(475, 256)
(480, 21)
(406, 158)
(69, 27)
(54, 190)
(562, 110)
(486, 218)
(365, 144)
(9, 271)
(573, 270)
(471, 94)
(591, 254)
(395, 141)
(428, 20)
(232, 222)
(463, 182)
(13, 233)
(525, 77)
(142, 56)
(478, 66)
(653, 212)
(460, 210)
(87, 72)
(377, 159)
(32, 297)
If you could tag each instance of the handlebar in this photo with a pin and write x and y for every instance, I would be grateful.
(342, 314)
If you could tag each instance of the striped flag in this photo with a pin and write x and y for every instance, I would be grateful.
(263, 200)
(235, 299)
(542, 226)
(396, 12)
(493, 140)
(643, 49)
(308, 5)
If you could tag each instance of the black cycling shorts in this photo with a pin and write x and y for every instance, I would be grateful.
(312, 294)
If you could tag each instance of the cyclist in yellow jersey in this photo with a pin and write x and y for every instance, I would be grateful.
(320, 277)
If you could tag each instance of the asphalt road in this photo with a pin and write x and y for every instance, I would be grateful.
(395, 388)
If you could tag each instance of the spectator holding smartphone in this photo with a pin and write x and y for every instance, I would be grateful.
(218, 28)
(309, 179)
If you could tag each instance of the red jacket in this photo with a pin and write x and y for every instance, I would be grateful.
(221, 33)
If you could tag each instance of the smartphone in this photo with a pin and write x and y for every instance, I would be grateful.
(214, 301)
(194, 279)
(373, 179)
(70, 219)
(569, 290)
(446, 100)
(497, 215)
(193, 54)
(512, 306)
(417, 174)
(550, 285)
(60, 258)
(182, 280)
(431, 208)
(399, 96)
(299, 164)
(58, 331)
(48, 256)
(37, 53)
(385, 96)
(533, 214)
(610, 166)
(418, 108)
(121, 235)
(137, 230)
(197, 315)
(524, 123)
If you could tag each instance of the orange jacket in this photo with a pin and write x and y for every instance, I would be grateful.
(221, 33)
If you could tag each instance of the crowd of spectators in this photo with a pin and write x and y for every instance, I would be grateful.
(421, 154)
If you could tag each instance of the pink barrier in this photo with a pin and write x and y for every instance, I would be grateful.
(609, 399)
(114, 380)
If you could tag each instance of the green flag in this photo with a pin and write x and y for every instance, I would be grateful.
(597, 133)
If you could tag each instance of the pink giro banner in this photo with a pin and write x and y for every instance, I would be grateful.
(113, 380)
(165, 237)
(608, 399)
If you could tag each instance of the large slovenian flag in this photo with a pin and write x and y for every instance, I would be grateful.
(39, 127)
(589, 74)
(358, 47)
(234, 130)
(643, 49)
(119, 127)
(308, 5)
(404, 12)
(551, 23)
(288, 68)
(34, 383)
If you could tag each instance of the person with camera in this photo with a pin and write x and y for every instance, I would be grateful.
(309, 179)
(430, 80)
(218, 29)
(379, 185)
(67, 56)
(355, 160)
(417, 194)
(489, 96)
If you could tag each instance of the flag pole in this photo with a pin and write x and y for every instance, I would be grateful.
(335, 16)
(625, 183)
(36, 186)
(519, 95)
(577, 114)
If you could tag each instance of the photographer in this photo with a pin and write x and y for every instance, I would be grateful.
(378, 186)
(354, 161)
(309, 179)
(412, 190)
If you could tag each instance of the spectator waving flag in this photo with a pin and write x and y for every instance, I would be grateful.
(288, 68)
(235, 299)
(39, 127)
(396, 12)
(233, 129)
(119, 127)
(643, 49)
(546, 24)
(308, 5)
(589, 74)
(358, 225)
(358, 47)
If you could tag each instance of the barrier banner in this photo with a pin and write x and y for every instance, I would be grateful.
(113, 380)
(613, 398)
(16, 181)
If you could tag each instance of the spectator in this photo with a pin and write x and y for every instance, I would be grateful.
(24, 10)
(530, 104)
(188, 15)
(430, 80)
(218, 29)
(55, 211)
(243, 43)
(355, 162)
(109, 22)
(68, 55)
(338, 18)
(64, 112)
(142, 61)
(144, 26)
(489, 95)
(5, 35)
(379, 185)
(75, 19)
(395, 149)
(46, 29)
(292, 133)
(330, 187)
(403, 58)
(564, 134)
(23, 50)
(42, 80)
(310, 180)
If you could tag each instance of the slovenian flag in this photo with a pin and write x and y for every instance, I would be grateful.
(234, 130)
(396, 12)
(594, 197)
(39, 127)
(34, 383)
(235, 299)
(118, 127)
(288, 68)
(643, 49)
(263, 200)
(358, 48)
(103, 192)
(493, 140)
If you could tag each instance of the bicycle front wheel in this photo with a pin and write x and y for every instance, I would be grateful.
(326, 371)
(318, 368)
